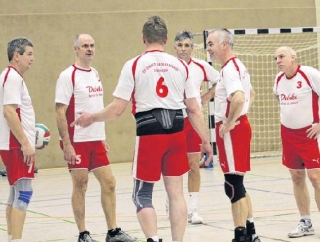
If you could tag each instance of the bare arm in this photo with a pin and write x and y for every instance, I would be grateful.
(208, 95)
(196, 118)
(237, 102)
(10, 114)
(62, 124)
(252, 96)
(110, 112)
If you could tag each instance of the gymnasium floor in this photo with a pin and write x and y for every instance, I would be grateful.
(50, 218)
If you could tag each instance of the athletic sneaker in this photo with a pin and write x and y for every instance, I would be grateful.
(194, 218)
(301, 230)
(121, 236)
(251, 232)
(85, 237)
(3, 171)
(240, 234)
(256, 239)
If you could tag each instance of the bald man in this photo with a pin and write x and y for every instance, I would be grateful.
(79, 89)
(297, 88)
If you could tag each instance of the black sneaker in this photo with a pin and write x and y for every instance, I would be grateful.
(240, 234)
(256, 239)
(121, 236)
(250, 232)
(3, 171)
(85, 237)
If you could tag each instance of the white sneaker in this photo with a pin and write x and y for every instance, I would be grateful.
(194, 218)
(301, 230)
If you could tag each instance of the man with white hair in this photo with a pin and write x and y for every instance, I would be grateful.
(233, 98)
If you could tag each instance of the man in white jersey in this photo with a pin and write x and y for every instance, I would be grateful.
(159, 87)
(200, 71)
(79, 89)
(17, 134)
(233, 98)
(297, 88)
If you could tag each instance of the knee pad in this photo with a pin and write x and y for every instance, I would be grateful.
(22, 194)
(142, 194)
(233, 187)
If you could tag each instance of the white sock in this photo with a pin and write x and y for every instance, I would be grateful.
(9, 238)
(155, 238)
(250, 220)
(307, 219)
(16, 240)
(193, 199)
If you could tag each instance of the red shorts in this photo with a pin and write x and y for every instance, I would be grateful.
(90, 155)
(158, 154)
(234, 149)
(193, 139)
(16, 168)
(299, 151)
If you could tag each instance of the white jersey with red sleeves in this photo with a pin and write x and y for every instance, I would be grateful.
(13, 90)
(81, 89)
(234, 76)
(298, 97)
(201, 71)
(155, 79)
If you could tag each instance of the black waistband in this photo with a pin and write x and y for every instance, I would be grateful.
(159, 121)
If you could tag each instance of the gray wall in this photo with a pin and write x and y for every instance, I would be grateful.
(116, 27)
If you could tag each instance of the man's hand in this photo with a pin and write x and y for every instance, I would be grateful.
(29, 154)
(106, 145)
(314, 131)
(69, 154)
(225, 128)
(84, 120)
(207, 148)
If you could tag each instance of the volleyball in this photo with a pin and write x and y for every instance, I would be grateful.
(42, 136)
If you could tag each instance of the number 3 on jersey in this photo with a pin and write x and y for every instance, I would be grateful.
(162, 90)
